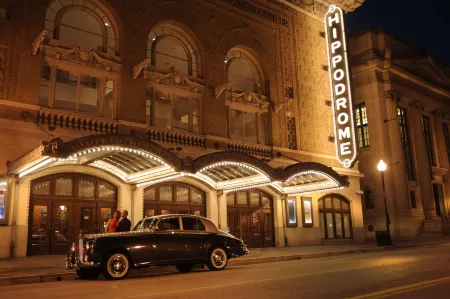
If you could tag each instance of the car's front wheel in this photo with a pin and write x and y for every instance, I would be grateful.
(116, 266)
(89, 273)
(184, 267)
(217, 259)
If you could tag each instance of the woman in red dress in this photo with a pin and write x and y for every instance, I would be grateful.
(111, 226)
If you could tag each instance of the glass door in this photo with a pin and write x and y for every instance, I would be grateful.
(244, 219)
(86, 218)
(39, 230)
(103, 214)
(62, 227)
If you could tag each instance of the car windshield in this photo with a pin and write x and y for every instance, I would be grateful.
(146, 224)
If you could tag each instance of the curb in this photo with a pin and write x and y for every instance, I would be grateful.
(68, 276)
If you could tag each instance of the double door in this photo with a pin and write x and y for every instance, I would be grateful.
(253, 225)
(55, 223)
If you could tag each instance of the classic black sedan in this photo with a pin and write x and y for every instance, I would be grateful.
(180, 240)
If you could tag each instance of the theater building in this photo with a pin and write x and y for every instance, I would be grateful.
(402, 116)
(214, 108)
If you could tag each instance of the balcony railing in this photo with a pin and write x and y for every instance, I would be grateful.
(260, 151)
(176, 138)
(56, 120)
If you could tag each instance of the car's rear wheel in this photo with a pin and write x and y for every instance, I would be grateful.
(90, 273)
(116, 266)
(184, 267)
(217, 259)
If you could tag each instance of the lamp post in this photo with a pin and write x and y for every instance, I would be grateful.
(382, 168)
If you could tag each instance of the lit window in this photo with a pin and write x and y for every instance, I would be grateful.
(291, 212)
(171, 50)
(362, 126)
(81, 23)
(244, 126)
(335, 217)
(3, 218)
(171, 111)
(242, 72)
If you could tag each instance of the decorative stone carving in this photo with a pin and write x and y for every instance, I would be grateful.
(175, 79)
(251, 98)
(2, 68)
(226, 87)
(39, 42)
(387, 57)
(143, 65)
(391, 95)
(320, 7)
(51, 148)
(85, 56)
(439, 113)
(417, 105)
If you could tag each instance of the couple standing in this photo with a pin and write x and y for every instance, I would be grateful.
(118, 222)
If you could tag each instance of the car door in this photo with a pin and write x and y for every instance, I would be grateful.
(143, 247)
(169, 245)
(194, 234)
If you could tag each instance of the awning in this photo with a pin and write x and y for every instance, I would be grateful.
(142, 162)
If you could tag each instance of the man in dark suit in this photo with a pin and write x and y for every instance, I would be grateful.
(124, 223)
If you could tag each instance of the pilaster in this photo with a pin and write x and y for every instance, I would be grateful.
(222, 205)
(397, 173)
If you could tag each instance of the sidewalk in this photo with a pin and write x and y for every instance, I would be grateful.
(52, 267)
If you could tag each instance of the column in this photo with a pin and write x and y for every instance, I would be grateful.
(423, 174)
(223, 219)
(212, 207)
(278, 219)
(137, 212)
(396, 179)
(441, 147)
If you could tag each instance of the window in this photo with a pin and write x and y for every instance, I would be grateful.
(3, 211)
(175, 198)
(171, 111)
(77, 92)
(292, 133)
(447, 139)
(291, 212)
(248, 126)
(45, 84)
(335, 217)
(193, 224)
(412, 196)
(362, 126)
(81, 23)
(368, 199)
(170, 49)
(406, 143)
(428, 140)
(243, 72)
(169, 224)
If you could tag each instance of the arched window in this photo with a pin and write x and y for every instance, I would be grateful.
(174, 198)
(170, 50)
(335, 217)
(81, 23)
(242, 71)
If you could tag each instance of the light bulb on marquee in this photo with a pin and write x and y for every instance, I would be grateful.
(341, 93)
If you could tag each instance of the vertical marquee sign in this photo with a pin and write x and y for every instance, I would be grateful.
(341, 97)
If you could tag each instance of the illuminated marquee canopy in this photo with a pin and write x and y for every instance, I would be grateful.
(341, 96)
(143, 163)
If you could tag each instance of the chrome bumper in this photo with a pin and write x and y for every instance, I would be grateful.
(74, 261)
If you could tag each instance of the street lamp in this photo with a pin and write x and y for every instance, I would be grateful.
(382, 168)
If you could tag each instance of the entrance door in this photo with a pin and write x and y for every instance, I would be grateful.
(250, 218)
(39, 231)
(62, 206)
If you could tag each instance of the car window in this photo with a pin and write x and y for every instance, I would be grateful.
(146, 224)
(193, 224)
(169, 224)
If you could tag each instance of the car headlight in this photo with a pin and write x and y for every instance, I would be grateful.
(89, 245)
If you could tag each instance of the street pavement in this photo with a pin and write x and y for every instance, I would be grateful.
(412, 274)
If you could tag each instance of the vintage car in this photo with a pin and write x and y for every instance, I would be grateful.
(180, 240)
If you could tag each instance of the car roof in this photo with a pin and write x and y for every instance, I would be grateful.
(210, 226)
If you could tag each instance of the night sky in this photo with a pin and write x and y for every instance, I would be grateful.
(424, 24)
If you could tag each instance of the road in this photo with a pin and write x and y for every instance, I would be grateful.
(401, 274)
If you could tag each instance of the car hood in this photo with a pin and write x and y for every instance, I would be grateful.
(229, 235)
(113, 235)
